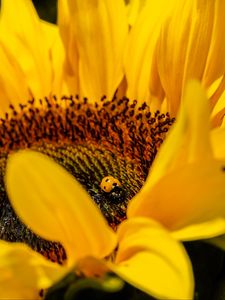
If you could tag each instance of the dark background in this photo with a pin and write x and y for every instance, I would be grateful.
(46, 9)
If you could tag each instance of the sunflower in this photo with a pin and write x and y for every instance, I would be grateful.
(69, 105)
(57, 208)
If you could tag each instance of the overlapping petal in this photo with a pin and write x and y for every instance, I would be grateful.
(194, 193)
(218, 142)
(71, 62)
(150, 259)
(142, 74)
(190, 46)
(134, 7)
(99, 29)
(58, 209)
(200, 231)
(24, 272)
(25, 36)
(12, 90)
(191, 133)
(180, 41)
(193, 180)
(57, 57)
(55, 206)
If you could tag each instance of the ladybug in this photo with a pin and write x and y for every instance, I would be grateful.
(108, 183)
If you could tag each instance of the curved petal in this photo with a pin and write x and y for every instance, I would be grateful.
(71, 70)
(100, 30)
(218, 119)
(150, 259)
(23, 33)
(23, 272)
(16, 83)
(190, 46)
(186, 184)
(54, 205)
(188, 140)
(57, 57)
(13, 84)
(216, 92)
(190, 194)
(215, 62)
(134, 8)
(142, 74)
(218, 142)
(200, 231)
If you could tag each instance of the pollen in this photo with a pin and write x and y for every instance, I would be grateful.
(107, 146)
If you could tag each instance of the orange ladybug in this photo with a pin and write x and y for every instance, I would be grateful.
(108, 183)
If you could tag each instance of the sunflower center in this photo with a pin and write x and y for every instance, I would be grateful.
(115, 140)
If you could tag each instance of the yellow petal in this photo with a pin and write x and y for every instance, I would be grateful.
(140, 66)
(16, 83)
(217, 102)
(23, 272)
(203, 230)
(218, 119)
(100, 29)
(13, 85)
(218, 142)
(54, 205)
(63, 20)
(186, 184)
(216, 93)
(215, 63)
(190, 46)
(71, 71)
(134, 7)
(150, 259)
(197, 113)
(57, 56)
(190, 194)
(22, 32)
(188, 140)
